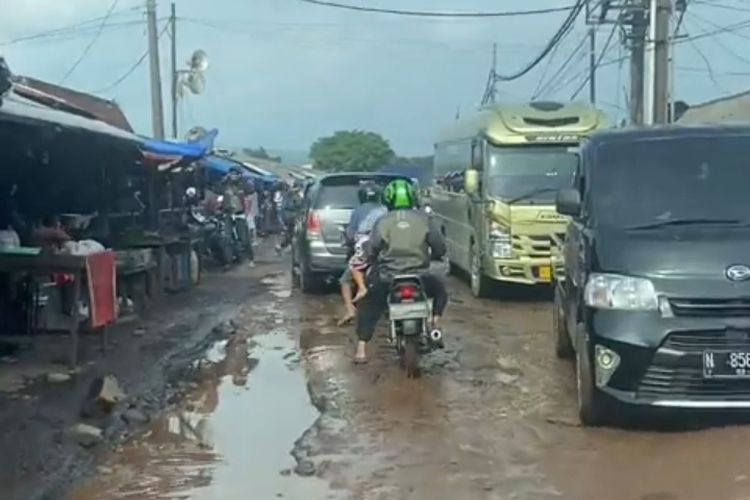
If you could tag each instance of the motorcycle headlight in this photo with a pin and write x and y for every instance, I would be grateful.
(499, 242)
(613, 291)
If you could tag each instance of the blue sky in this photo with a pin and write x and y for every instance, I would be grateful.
(284, 73)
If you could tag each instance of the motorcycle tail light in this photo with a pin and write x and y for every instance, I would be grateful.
(313, 224)
(407, 292)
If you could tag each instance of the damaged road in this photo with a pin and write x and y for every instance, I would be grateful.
(276, 409)
(53, 434)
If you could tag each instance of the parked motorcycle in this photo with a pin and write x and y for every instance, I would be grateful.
(410, 315)
(214, 233)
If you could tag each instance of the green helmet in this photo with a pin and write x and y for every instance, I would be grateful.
(399, 195)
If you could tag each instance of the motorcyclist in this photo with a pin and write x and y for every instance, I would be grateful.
(402, 242)
(361, 222)
(233, 205)
(289, 207)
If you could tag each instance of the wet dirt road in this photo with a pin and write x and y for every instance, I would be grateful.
(280, 412)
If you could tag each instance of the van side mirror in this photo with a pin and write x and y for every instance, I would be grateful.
(568, 202)
(471, 181)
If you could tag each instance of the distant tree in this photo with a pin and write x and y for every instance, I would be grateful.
(261, 154)
(349, 151)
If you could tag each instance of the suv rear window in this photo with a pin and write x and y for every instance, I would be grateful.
(338, 197)
(342, 193)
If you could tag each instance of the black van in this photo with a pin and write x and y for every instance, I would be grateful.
(654, 303)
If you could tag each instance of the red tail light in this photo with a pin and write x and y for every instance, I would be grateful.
(313, 224)
(407, 292)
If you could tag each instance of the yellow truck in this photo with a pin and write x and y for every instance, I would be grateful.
(496, 175)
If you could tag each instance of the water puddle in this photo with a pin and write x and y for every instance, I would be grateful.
(232, 437)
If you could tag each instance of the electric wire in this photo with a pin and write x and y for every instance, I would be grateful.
(598, 61)
(419, 13)
(73, 28)
(565, 27)
(564, 68)
(131, 70)
(91, 43)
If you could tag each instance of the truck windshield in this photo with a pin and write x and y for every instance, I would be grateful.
(673, 181)
(514, 171)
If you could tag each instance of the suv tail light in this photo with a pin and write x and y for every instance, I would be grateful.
(407, 292)
(313, 224)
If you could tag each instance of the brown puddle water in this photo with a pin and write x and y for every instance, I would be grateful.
(232, 438)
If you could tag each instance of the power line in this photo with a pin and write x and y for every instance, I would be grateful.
(550, 60)
(566, 26)
(130, 71)
(93, 41)
(604, 51)
(707, 64)
(714, 4)
(65, 29)
(561, 70)
(421, 13)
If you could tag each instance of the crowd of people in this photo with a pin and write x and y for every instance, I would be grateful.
(268, 208)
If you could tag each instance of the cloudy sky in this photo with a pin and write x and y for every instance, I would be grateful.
(283, 73)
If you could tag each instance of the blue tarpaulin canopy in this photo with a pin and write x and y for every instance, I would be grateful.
(191, 151)
(222, 166)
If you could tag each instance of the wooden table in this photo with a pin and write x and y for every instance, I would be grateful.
(46, 265)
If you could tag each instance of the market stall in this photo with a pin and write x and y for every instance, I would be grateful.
(53, 165)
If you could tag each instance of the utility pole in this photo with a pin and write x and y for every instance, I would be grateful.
(173, 29)
(637, 69)
(661, 77)
(494, 73)
(157, 107)
(592, 53)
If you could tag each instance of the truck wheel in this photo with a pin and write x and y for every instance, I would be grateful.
(563, 346)
(479, 283)
(591, 408)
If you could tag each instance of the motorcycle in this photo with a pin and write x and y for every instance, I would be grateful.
(213, 232)
(410, 315)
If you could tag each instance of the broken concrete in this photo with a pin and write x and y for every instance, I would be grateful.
(86, 435)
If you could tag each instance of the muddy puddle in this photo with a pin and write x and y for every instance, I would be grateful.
(231, 437)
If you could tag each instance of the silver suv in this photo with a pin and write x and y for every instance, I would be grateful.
(318, 246)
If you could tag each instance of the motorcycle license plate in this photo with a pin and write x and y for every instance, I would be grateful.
(416, 310)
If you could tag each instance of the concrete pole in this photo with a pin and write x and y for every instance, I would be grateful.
(661, 78)
(173, 24)
(650, 65)
(157, 106)
(637, 74)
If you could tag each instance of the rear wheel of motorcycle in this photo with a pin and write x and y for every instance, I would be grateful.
(410, 355)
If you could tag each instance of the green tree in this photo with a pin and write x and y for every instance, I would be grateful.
(351, 151)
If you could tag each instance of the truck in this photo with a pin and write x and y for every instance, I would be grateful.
(496, 175)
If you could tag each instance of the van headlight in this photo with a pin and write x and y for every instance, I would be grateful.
(613, 291)
(499, 242)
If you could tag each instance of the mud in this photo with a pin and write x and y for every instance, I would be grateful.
(38, 459)
(280, 411)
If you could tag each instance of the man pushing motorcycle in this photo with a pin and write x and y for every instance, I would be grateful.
(403, 242)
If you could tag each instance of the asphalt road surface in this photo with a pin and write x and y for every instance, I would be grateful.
(280, 411)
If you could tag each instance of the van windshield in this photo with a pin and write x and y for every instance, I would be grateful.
(514, 171)
(647, 182)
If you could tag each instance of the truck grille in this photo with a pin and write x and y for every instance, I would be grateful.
(710, 307)
(671, 377)
(537, 246)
